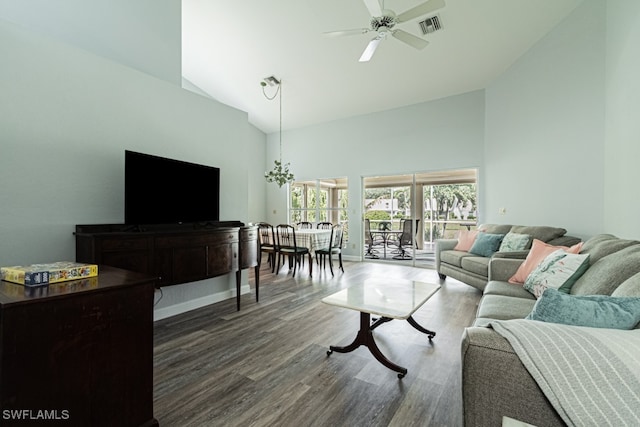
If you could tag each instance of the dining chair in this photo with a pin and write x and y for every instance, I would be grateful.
(288, 246)
(406, 239)
(324, 225)
(304, 225)
(268, 243)
(334, 248)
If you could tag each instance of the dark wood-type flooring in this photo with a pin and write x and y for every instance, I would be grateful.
(266, 365)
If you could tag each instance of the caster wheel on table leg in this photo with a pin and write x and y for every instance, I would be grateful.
(329, 352)
(401, 376)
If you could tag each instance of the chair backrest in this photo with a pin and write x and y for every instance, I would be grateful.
(337, 231)
(324, 225)
(304, 225)
(406, 237)
(368, 237)
(286, 236)
(267, 237)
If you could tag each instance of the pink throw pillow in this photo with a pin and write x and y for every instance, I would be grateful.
(539, 251)
(465, 240)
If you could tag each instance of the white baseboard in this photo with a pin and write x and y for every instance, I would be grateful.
(173, 310)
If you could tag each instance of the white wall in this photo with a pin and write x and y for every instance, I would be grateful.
(142, 34)
(439, 135)
(622, 150)
(66, 117)
(544, 142)
(546, 157)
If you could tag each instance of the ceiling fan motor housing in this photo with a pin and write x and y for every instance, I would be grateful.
(387, 20)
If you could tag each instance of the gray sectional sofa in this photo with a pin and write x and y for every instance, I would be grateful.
(495, 382)
(474, 269)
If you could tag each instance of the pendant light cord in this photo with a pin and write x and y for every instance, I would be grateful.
(271, 98)
(280, 92)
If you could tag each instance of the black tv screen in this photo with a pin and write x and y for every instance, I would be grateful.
(159, 190)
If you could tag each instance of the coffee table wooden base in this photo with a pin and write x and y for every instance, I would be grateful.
(365, 337)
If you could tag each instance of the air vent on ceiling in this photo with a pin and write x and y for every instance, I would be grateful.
(430, 25)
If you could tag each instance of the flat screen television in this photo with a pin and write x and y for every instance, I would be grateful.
(159, 190)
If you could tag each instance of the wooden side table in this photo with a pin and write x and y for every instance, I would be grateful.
(80, 351)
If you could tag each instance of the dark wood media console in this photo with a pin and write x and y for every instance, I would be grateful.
(175, 254)
(78, 353)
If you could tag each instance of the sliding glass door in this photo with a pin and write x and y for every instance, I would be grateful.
(405, 214)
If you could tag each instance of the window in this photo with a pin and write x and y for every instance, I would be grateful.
(322, 200)
(449, 208)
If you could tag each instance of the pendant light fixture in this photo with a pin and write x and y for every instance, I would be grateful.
(280, 173)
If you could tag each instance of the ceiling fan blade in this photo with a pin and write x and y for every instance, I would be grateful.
(347, 32)
(370, 50)
(422, 9)
(374, 7)
(410, 39)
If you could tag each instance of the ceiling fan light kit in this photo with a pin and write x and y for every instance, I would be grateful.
(383, 22)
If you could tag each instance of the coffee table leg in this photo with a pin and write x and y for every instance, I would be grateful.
(365, 337)
(415, 324)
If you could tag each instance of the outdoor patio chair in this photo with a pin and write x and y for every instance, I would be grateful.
(371, 240)
(406, 239)
(324, 226)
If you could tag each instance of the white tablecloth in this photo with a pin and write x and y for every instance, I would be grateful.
(313, 239)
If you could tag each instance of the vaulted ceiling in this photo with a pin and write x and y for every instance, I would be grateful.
(230, 46)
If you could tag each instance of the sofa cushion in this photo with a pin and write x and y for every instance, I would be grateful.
(515, 242)
(465, 240)
(495, 228)
(477, 265)
(559, 270)
(594, 311)
(543, 233)
(500, 307)
(486, 244)
(606, 274)
(605, 244)
(496, 287)
(453, 257)
(628, 288)
(482, 322)
(538, 252)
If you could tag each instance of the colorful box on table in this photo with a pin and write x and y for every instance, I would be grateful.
(42, 274)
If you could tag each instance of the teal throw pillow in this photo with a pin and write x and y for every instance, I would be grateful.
(558, 270)
(595, 311)
(515, 242)
(486, 244)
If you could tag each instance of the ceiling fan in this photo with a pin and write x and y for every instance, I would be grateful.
(383, 22)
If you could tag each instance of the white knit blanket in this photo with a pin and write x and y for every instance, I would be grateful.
(591, 376)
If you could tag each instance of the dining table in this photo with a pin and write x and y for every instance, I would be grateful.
(312, 239)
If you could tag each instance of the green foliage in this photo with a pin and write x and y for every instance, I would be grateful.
(280, 174)
(447, 196)
(377, 215)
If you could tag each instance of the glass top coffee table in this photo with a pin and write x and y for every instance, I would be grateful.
(388, 298)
